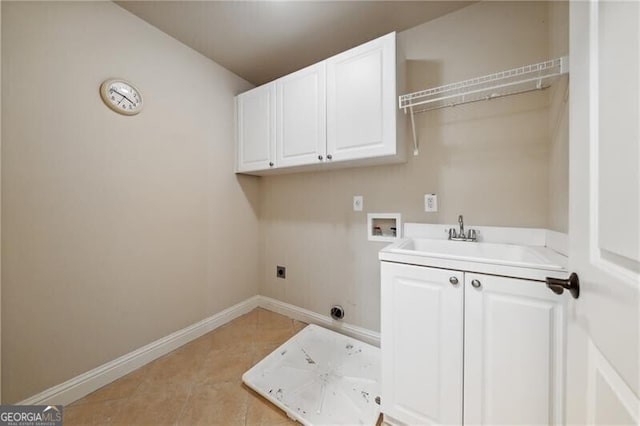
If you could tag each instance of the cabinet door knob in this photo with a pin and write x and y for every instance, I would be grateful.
(319, 157)
(475, 284)
(453, 280)
(271, 164)
(329, 156)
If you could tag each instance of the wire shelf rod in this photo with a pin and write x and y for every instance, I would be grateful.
(483, 89)
(528, 73)
(485, 98)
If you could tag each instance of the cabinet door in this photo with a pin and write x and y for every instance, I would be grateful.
(421, 342)
(513, 362)
(361, 101)
(301, 117)
(255, 133)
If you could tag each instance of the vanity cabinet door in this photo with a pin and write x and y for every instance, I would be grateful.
(421, 339)
(256, 129)
(514, 351)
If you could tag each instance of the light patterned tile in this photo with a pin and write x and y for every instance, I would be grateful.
(270, 320)
(180, 369)
(216, 404)
(199, 347)
(95, 413)
(224, 365)
(236, 337)
(199, 383)
(248, 320)
(162, 406)
(274, 336)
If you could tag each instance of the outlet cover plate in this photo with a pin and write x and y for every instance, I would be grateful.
(430, 203)
(358, 201)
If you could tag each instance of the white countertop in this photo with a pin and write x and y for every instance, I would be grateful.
(527, 253)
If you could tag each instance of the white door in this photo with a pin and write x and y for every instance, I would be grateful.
(603, 380)
(513, 352)
(301, 131)
(256, 129)
(361, 101)
(421, 334)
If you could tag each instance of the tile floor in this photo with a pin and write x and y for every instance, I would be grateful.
(197, 384)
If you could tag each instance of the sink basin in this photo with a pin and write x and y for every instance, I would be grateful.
(537, 257)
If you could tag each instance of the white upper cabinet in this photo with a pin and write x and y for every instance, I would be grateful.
(343, 108)
(361, 101)
(301, 117)
(513, 352)
(255, 129)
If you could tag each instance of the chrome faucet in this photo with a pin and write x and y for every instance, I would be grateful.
(460, 235)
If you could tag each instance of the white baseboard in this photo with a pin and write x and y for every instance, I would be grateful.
(311, 317)
(82, 385)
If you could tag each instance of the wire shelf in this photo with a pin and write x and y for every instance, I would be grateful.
(505, 83)
(515, 81)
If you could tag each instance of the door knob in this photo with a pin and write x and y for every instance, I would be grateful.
(319, 157)
(475, 283)
(271, 164)
(453, 280)
(558, 285)
(329, 156)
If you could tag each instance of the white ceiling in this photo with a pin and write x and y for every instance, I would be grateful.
(264, 40)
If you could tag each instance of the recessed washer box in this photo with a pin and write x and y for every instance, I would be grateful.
(384, 226)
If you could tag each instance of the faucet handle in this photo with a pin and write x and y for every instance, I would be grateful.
(452, 232)
(471, 234)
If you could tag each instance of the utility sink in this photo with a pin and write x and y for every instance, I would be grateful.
(527, 261)
(501, 254)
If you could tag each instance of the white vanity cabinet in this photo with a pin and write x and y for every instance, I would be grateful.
(513, 352)
(462, 347)
(256, 129)
(422, 323)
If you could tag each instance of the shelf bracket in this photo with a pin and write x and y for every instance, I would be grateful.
(413, 129)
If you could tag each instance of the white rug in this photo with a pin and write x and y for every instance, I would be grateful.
(320, 377)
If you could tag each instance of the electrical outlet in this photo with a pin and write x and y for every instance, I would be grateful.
(281, 272)
(358, 201)
(430, 203)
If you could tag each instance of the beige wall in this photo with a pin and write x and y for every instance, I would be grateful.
(117, 230)
(489, 161)
(559, 122)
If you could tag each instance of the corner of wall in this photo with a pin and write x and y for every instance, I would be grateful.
(107, 219)
(558, 45)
